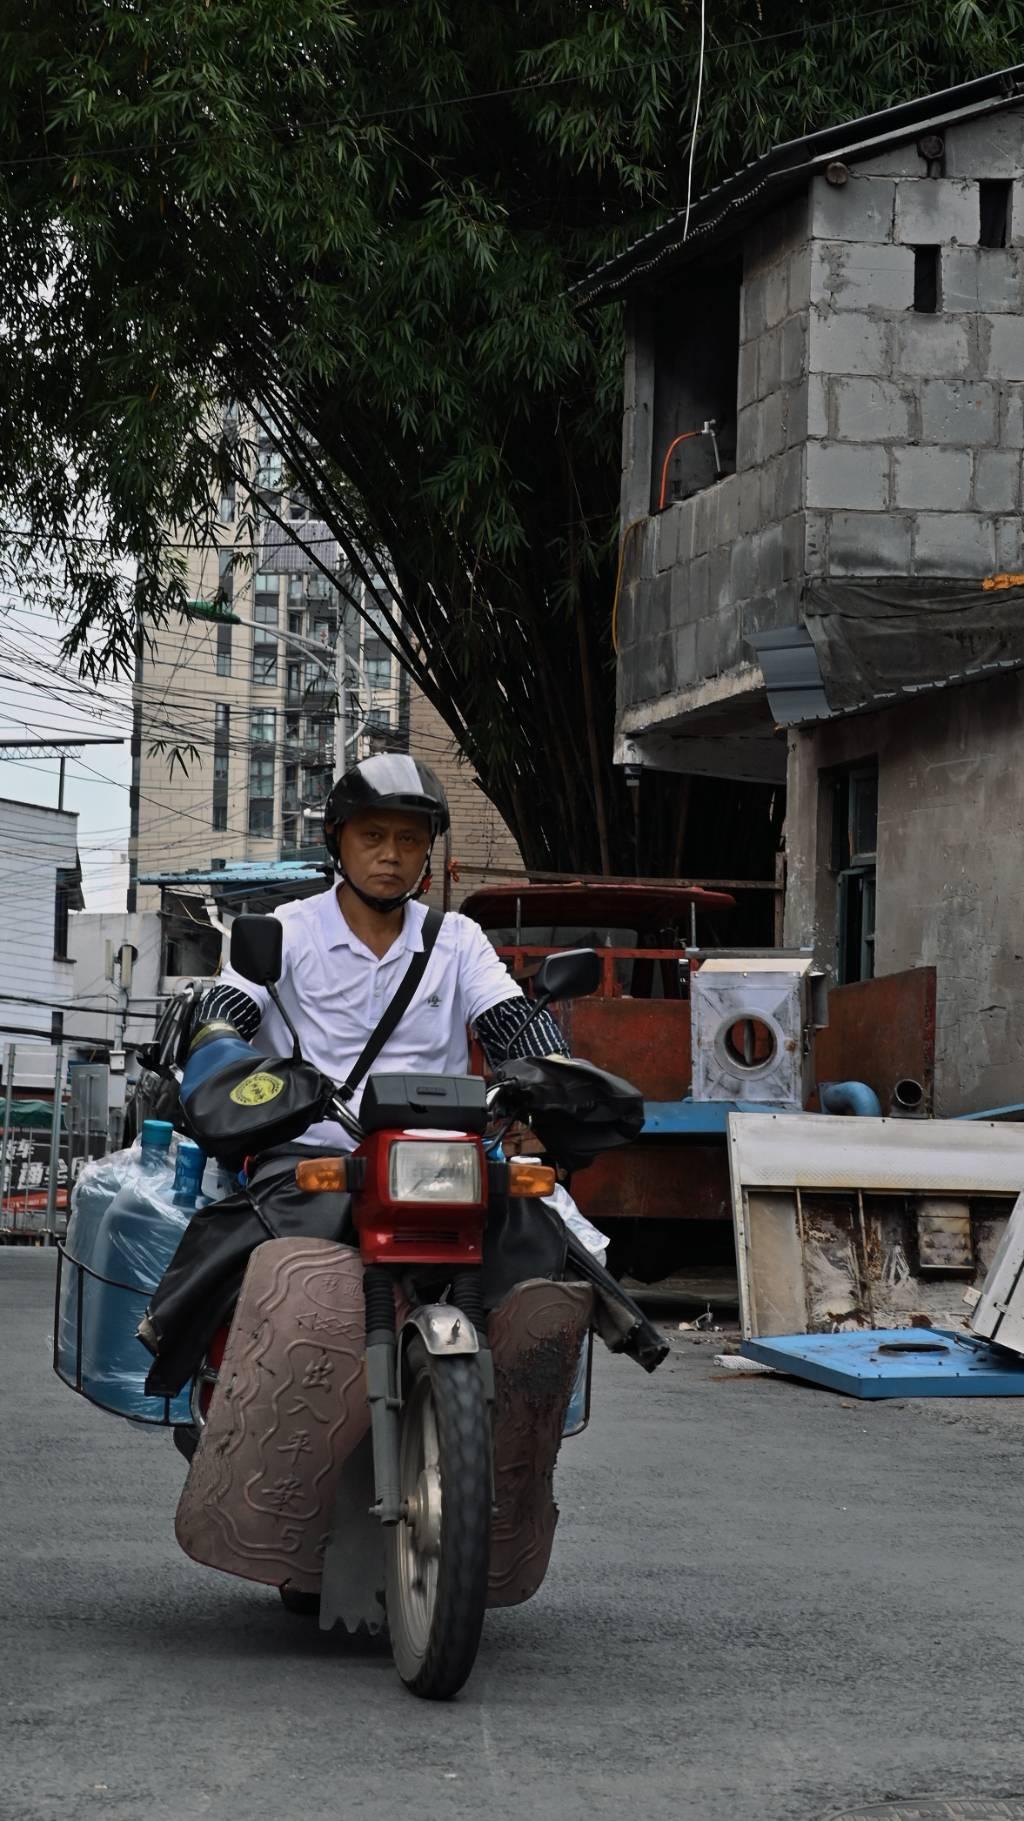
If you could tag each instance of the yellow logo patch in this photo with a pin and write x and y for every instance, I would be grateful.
(256, 1090)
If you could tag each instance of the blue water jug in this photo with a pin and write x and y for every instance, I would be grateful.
(116, 1256)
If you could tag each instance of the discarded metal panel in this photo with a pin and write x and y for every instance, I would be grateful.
(753, 1019)
(894, 1362)
(836, 1222)
(998, 1314)
(881, 1031)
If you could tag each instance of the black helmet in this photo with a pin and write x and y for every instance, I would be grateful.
(386, 780)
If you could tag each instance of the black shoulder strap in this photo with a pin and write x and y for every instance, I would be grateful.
(399, 1005)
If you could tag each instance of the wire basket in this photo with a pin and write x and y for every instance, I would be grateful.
(96, 1350)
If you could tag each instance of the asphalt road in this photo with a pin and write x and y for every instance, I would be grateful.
(766, 1604)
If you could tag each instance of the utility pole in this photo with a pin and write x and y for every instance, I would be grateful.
(62, 749)
(11, 1050)
(57, 1037)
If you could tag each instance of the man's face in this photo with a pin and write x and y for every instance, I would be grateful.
(383, 851)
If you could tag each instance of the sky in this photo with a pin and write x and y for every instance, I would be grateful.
(42, 698)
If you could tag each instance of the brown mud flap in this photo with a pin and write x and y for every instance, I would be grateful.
(535, 1336)
(288, 1409)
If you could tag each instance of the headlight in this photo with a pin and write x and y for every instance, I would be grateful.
(425, 1171)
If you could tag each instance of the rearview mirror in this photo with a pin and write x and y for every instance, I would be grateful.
(256, 947)
(570, 975)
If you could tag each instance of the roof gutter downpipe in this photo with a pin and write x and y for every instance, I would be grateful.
(849, 1097)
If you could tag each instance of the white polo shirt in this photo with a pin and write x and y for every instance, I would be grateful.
(336, 990)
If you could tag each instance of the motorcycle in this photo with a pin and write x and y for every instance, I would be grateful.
(366, 1437)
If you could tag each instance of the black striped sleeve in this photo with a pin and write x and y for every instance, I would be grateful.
(497, 1031)
(234, 1006)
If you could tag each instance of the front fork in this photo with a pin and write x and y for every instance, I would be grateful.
(446, 1329)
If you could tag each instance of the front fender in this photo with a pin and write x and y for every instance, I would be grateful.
(444, 1331)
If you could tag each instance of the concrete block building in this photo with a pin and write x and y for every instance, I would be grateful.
(823, 567)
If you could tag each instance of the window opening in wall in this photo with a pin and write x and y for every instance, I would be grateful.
(224, 650)
(854, 863)
(221, 752)
(190, 945)
(926, 280)
(295, 622)
(61, 906)
(376, 662)
(696, 379)
(262, 726)
(264, 611)
(264, 666)
(261, 794)
(996, 193)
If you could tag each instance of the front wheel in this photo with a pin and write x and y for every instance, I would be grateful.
(438, 1554)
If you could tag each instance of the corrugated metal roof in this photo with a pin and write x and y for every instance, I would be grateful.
(792, 675)
(786, 169)
(244, 872)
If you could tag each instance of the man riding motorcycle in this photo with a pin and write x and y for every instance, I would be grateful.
(364, 979)
(345, 954)
(346, 949)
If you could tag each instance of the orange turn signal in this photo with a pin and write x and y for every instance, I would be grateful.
(530, 1178)
(315, 1174)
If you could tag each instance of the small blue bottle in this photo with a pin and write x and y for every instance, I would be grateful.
(189, 1165)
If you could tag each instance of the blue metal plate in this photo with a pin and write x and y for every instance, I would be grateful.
(894, 1362)
(695, 1118)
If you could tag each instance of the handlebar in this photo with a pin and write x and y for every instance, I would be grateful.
(345, 1117)
(340, 1111)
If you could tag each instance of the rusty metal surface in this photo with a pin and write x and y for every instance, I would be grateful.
(658, 1180)
(535, 1335)
(289, 1407)
(646, 1040)
(881, 1031)
(524, 958)
(623, 906)
(834, 1218)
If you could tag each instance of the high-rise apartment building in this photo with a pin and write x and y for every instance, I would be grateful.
(250, 709)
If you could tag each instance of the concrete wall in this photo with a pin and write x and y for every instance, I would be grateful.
(480, 841)
(916, 420)
(950, 836)
(34, 842)
(95, 939)
(702, 575)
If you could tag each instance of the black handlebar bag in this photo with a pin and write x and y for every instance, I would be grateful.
(576, 1109)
